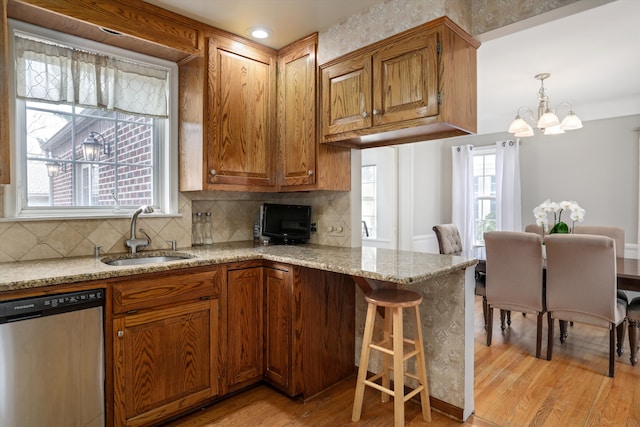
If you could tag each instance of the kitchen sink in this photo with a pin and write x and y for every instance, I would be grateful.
(146, 258)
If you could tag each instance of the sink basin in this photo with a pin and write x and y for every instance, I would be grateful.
(141, 259)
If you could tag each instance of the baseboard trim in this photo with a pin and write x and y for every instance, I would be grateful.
(446, 408)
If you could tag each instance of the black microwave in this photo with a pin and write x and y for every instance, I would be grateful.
(286, 224)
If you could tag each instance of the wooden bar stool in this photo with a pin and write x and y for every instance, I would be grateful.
(392, 346)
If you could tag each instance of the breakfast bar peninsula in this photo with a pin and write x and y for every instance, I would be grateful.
(445, 282)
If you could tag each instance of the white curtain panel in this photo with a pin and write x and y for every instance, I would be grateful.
(508, 199)
(462, 193)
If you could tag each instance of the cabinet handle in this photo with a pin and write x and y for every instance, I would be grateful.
(310, 172)
(120, 334)
(213, 172)
(204, 298)
(375, 112)
(365, 114)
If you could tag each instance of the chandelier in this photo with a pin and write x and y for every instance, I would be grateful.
(547, 121)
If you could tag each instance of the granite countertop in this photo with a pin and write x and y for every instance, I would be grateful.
(401, 267)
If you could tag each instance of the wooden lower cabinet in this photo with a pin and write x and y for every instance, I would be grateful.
(309, 329)
(327, 328)
(282, 346)
(290, 326)
(165, 345)
(244, 326)
(183, 338)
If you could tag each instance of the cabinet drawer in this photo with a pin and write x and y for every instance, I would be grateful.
(156, 290)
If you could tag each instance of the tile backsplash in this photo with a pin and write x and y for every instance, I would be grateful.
(34, 239)
(233, 215)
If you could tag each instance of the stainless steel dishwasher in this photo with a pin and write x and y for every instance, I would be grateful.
(52, 360)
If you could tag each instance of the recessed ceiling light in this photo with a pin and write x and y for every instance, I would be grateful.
(260, 32)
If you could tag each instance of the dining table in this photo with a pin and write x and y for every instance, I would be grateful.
(627, 270)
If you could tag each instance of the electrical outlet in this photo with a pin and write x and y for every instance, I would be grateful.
(336, 228)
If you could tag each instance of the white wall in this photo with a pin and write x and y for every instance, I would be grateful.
(597, 166)
(385, 160)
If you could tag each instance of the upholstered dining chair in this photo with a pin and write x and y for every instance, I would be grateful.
(529, 228)
(616, 233)
(534, 228)
(514, 276)
(450, 243)
(581, 286)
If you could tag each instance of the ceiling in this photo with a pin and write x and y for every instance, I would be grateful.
(591, 49)
(288, 20)
(593, 57)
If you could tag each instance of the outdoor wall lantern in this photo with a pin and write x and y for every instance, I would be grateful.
(91, 147)
(54, 166)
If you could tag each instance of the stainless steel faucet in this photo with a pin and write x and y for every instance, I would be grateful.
(134, 243)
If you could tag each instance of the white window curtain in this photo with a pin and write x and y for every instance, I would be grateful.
(52, 73)
(508, 199)
(462, 193)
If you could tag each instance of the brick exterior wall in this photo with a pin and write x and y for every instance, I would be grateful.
(131, 155)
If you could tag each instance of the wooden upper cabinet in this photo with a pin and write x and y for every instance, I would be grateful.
(297, 113)
(414, 86)
(346, 95)
(241, 98)
(304, 164)
(405, 79)
(227, 105)
(5, 117)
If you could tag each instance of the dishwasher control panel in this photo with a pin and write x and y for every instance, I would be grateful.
(26, 308)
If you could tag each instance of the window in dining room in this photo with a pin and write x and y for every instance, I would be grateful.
(484, 191)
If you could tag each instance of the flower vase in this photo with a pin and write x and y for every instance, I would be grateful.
(560, 228)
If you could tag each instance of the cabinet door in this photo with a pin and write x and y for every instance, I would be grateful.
(297, 114)
(328, 327)
(241, 143)
(346, 95)
(244, 327)
(405, 79)
(164, 361)
(5, 122)
(279, 347)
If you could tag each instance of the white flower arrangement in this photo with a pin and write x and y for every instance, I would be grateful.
(541, 214)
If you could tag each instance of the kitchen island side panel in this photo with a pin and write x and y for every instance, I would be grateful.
(445, 332)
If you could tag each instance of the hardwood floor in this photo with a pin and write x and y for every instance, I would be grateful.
(512, 388)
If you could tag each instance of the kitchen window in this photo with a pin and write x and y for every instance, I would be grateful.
(93, 128)
(484, 191)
